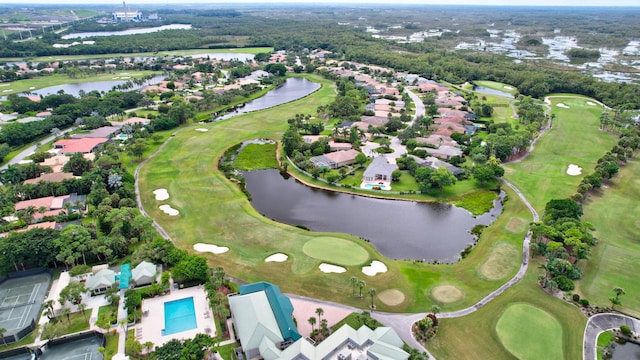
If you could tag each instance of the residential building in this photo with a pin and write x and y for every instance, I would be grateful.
(379, 170)
(336, 159)
(83, 146)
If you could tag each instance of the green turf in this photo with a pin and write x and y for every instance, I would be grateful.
(257, 156)
(187, 52)
(223, 216)
(604, 340)
(335, 251)
(529, 332)
(614, 261)
(574, 138)
(476, 336)
(478, 202)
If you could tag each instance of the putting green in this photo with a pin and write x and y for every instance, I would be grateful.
(529, 332)
(336, 251)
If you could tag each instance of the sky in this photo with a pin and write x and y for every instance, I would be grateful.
(391, 2)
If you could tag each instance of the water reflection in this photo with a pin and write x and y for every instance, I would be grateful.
(398, 229)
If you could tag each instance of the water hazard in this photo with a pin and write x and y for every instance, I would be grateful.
(292, 89)
(398, 229)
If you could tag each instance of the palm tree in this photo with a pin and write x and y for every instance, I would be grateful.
(361, 285)
(312, 321)
(2, 331)
(372, 292)
(149, 346)
(320, 312)
(619, 291)
(82, 307)
(66, 311)
(435, 309)
(354, 283)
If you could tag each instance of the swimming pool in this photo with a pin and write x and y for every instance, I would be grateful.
(179, 316)
(377, 186)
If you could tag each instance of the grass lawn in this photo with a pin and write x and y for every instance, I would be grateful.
(604, 340)
(496, 86)
(256, 157)
(573, 139)
(545, 336)
(111, 346)
(477, 336)
(187, 52)
(227, 351)
(61, 79)
(29, 339)
(614, 261)
(223, 216)
(335, 250)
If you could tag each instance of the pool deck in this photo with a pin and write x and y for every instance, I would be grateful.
(150, 328)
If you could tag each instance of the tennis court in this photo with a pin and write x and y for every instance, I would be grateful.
(79, 347)
(21, 299)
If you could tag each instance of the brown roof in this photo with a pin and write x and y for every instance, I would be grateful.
(42, 225)
(36, 203)
(50, 177)
(130, 121)
(342, 155)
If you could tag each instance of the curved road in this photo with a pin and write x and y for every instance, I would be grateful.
(603, 322)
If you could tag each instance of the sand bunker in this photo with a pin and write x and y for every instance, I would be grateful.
(508, 87)
(328, 268)
(447, 293)
(202, 129)
(375, 267)
(169, 210)
(277, 258)
(574, 170)
(561, 105)
(391, 297)
(591, 103)
(161, 194)
(200, 247)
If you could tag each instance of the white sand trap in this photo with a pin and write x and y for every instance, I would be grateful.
(200, 247)
(277, 258)
(202, 129)
(375, 267)
(169, 210)
(574, 170)
(31, 88)
(7, 90)
(561, 105)
(161, 194)
(328, 268)
(508, 87)
(591, 103)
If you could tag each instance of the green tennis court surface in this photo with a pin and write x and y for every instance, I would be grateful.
(21, 299)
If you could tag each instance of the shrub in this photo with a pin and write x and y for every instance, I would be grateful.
(576, 297)
(584, 302)
(626, 330)
(564, 283)
(79, 270)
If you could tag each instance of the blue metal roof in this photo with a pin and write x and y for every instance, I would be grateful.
(280, 305)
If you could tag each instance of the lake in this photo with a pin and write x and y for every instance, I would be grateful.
(484, 90)
(106, 86)
(398, 229)
(84, 35)
(292, 89)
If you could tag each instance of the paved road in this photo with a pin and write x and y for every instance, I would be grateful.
(31, 149)
(603, 322)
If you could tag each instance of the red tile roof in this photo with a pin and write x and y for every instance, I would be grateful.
(85, 145)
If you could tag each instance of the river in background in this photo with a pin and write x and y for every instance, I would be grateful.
(398, 229)
(84, 35)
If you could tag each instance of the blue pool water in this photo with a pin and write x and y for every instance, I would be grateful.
(179, 316)
(371, 186)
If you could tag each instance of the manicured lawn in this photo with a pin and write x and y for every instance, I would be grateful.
(61, 79)
(573, 139)
(542, 338)
(614, 261)
(256, 157)
(604, 340)
(496, 86)
(336, 251)
(159, 54)
(477, 336)
(223, 216)
(111, 346)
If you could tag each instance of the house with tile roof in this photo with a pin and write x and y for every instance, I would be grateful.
(336, 159)
(83, 146)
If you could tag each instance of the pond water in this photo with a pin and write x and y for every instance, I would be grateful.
(484, 90)
(292, 89)
(84, 35)
(106, 86)
(398, 229)
(626, 351)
